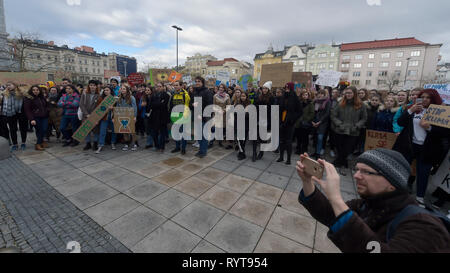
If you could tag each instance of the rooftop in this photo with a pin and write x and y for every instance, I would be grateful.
(397, 42)
(220, 63)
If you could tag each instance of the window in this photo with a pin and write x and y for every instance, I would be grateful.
(301, 62)
(356, 74)
(368, 82)
(355, 82)
(397, 73)
(332, 54)
(56, 59)
(369, 73)
(322, 55)
(370, 65)
(104, 63)
(80, 61)
(87, 70)
(382, 73)
(358, 57)
(415, 53)
(381, 82)
(412, 72)
(311, 66)
(372, 56)
(400, 54)
(98, 63)
(346, 57)
(331, 66)
(81, 69)
(49, 58)
(384, 64)
(85, 61)
(398, 64)
(345, 65)
(386, 55)
(413, 63)
(38, 56)
(357, 65)
(322, 66)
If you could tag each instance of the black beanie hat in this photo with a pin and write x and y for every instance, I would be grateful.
(390, 164)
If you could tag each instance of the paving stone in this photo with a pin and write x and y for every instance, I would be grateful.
(146, 191)
(127, 181)
(39, 157)
(170, 203)
(198, 218)
(322, 243)
(282, 169)
(236, 183)
(51, 167)
(262, 164)
(109, 173)
(221, 198)
(92, 196)
(265, 193)
(135, 225)
(75, 186)
(211, 175)
(226, 166)
(273, 243)
(253, 210)
(235, 235)
(194, 187)
(169, 238)
(153, 171)
(289, 201)
(295, 185)
(84, 162)
(273, 179)
(293, 226)
(206, 247)
(248, 172)
(190, 168)
(172, 178)
(65, 177)
(112, 209)
(173, 162)
(93, 168)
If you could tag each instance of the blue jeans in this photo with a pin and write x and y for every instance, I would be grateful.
(89, 138)
(104, 125)
(181, 144)
(203, 143)
(423, 170)
(149, 140)
(65, 121)
(319, 143)
(41, 129)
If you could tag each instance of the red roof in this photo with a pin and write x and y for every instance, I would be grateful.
(382, 44)
(220, 63)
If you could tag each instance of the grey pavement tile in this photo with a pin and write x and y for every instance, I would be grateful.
(112, 209)
(190, 168)
(153, 171)
(265, 193)
(236, 183)
(198, 218)
(226, 166)
(248, 172)
(347, 196)
(253, 210)
(295, 185)
(146, 191)
(92, 196)
(273, 179)
(32, 159)
(282, 169)
(322, 243)
(65, 177)
(51, 167)
(194, 187)
(348, 186)
(235, 235)
(76, 185)
(135, 225)
(86, 161)
(127, 181)
(206, 247)
(137, 165)
(172, 178)
(262, 164)
(109, 173)
(170, 203)
(221, 198)
(289, 201)
(93, 168)
(168, 238)
(274, 243)
(211, 175)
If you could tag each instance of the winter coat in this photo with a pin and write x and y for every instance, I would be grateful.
(433, 145)
(88, 103)
(262, 100)
(159, 117)
(370, 220)
(123, 103)
(291, 104)
(348, 120)
(371, 113)
(206, 97)
(35, 107)
(397, 128)
(69, 104)
(221, 103)
(383, 120)
(307, 117)
(323, 116)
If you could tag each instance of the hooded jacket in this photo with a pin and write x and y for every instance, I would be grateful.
(347, 120)
(35, 107)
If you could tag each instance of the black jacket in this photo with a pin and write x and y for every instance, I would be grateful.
(159, 117)
(206, 96)
(292, 105)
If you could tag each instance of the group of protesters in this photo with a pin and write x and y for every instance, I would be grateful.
(329, 118)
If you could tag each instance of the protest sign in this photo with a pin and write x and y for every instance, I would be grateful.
(94, 118)
(23, 78)
(244, 80)
(223, 76)
(302, 80)
(329, 78)
(233, 81)
(159, 76)
(438, 115)
(187, 79)
(135, 79)
(378, 139)
(443, 89)
(175, 76)
(108, 74)
(124, 120)
(278, 74)
(442, 177)
(210, 82)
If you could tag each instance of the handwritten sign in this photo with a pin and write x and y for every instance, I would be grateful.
(438, 115)
(124, 120)
(278, 74)
(302, 80)
(443, 89)
(135, 79)
(94, 118)
(442, 177)
(329, 78)
(378, 139)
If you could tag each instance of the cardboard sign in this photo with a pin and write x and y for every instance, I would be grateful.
(124, 120)
(443, 89)
(438, 115)
(175, 76)
(329, 78)
(159, 76)
(210, 83)
(245, 80)
(442, 177)
(278, 74)
(23, 78)
(108, 74)
(94, 118)
(378, 139)
(302, 80)
(187, 79)
(223, 76)
(135, 79)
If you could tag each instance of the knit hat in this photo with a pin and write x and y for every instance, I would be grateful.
(390, 164)
(268, 85)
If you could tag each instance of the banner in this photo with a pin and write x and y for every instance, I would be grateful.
(378, 139)
(159, 76)
(187, 79)
(94, 118)
(136, 79)
(223, 76)
(329, 78)
(244, 80)
(278, 74)
(124, 120)
(443, 89)
(175, 76)
(111, 73)
(442, 177)
(23, 78)
(438, 115)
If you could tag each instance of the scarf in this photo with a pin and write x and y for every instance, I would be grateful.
(11, 105)
(320, 104)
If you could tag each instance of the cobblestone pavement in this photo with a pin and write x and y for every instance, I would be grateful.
(160, 202)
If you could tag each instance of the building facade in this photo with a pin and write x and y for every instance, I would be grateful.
(443, 73)
(296, 54)
(269, 57)
(393, 64)
(196, 65)
(322, 57)
(235, 68)
(6, 60)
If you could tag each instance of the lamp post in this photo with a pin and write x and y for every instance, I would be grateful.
(125, 65)
(406, 73)
(177, 29)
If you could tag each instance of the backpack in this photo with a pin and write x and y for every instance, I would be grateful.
(413, 210)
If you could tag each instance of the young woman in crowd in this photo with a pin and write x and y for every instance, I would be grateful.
(106, 122)
(69, 102)
(140, 127)
(411, 99)
(12, 112)
(363, 95)
(146, 111)
(159, 117)
(385, 116)
(244, 101)
(373, 107)
(402, 98)
(126, 99)
(348, 118)
(236, 97)
(291, 111)
(322, 108)
(278, 100)
(303, 125)
(221, 100)
(36, 111)
(55, 113)
(335, 100)
(421, 141)
(265, 99)
(88, 102)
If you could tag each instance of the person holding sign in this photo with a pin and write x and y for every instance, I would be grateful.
(88, 103)
(127, 100)
(106, 123)
(421, 141)
(69, 102)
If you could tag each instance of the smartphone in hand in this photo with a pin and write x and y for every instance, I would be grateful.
(419, 100)
(313, 167)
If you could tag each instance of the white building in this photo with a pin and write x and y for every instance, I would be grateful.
(296, 54)
(443, 73)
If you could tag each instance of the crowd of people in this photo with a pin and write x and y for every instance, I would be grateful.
(334, 121)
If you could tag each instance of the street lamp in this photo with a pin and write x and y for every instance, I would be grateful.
(406, 73)
(125, 65)
(177, 29)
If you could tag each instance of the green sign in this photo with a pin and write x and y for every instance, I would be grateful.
(94, 118)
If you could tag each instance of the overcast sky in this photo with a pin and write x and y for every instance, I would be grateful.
(239, 29)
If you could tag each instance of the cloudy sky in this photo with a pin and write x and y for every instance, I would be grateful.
(239, 29)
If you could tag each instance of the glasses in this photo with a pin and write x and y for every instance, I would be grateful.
(365, 172)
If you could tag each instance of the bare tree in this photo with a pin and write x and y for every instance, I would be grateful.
(390, 81)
